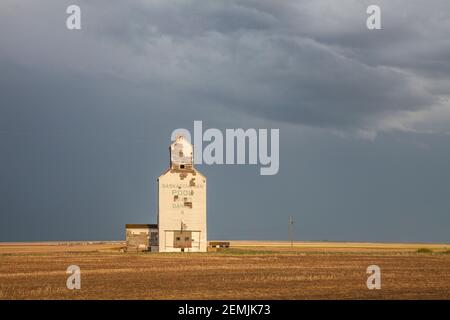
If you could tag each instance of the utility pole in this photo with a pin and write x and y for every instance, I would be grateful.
(291, 226)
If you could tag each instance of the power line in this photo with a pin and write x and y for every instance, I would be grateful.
(290, 230)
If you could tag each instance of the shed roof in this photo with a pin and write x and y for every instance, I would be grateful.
(141, 226)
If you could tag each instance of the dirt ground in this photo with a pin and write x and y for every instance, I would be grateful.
(248, 270)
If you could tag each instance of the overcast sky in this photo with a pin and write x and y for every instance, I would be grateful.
(364, 115)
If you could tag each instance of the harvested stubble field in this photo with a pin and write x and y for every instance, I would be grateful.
(248, 270)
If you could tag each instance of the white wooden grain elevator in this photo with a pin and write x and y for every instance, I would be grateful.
(182, 202)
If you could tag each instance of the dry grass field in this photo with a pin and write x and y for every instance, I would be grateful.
(248, 270)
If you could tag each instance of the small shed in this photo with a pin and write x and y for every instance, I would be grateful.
(218, 245)
(142, 237)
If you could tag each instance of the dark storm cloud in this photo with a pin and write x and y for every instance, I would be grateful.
(304, 62)
(86, 116)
